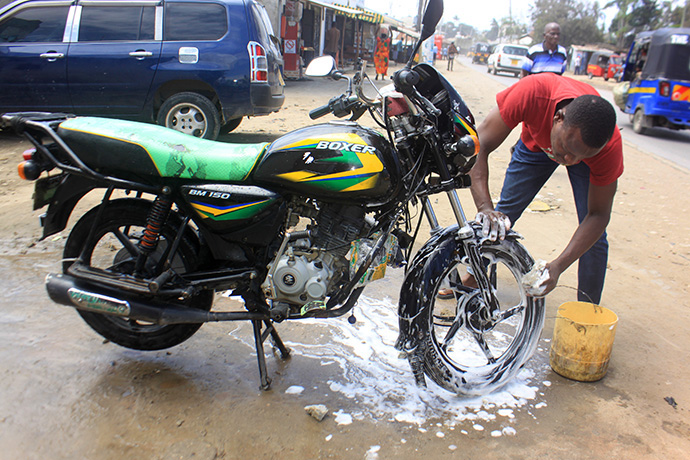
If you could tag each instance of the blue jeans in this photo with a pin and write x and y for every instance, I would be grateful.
(527, 173)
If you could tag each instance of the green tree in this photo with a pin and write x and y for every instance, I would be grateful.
(578, 20)
(645, 15)
(637, 15)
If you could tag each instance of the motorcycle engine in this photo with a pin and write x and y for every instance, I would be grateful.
(310, 269)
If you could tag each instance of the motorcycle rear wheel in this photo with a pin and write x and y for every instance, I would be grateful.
(462, 349)
(122, 224)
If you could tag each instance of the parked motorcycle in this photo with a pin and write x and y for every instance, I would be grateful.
(297, 227)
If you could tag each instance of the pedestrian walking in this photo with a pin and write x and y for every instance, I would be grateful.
(332, 45)
(382, 52)
(452, 51)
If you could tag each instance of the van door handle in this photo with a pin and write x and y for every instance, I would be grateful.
(52, 56)
(141, 54)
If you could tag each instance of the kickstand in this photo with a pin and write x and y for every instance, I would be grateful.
(260, 337)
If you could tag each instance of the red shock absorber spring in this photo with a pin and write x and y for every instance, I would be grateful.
(154, 223)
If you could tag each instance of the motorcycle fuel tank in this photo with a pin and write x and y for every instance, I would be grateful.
(337, 162)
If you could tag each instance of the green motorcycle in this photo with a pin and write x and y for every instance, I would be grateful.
(297, 227)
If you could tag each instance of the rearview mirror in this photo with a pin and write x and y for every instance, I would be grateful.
(321, 66)
(432, 15)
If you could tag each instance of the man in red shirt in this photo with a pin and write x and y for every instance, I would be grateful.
(564, 122)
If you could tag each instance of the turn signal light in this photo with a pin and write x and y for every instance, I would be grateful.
(665, 88)
(28, 170)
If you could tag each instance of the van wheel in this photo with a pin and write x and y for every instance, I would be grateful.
(590, 75)
(231, 125)
(190, 113)
(639, 122)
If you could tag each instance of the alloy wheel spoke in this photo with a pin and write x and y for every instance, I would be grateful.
(484, 347)
(454, 328)
(505, 314)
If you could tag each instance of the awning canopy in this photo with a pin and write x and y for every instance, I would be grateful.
(406, 31)
(339, 9)
(361, 14)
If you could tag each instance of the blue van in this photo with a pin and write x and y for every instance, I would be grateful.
(658, 69)
(194, 66)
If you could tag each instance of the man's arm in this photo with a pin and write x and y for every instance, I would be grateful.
(600, 202)
(492, 132)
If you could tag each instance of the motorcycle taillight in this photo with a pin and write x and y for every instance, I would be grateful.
(258, 63)
(28, 154)
(665, 88)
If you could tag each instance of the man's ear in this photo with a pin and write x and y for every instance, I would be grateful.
(559, 116)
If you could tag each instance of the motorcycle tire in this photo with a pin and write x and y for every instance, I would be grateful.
(124, 221)
(459, 348)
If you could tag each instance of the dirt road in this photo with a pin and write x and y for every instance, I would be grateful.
(68, 395)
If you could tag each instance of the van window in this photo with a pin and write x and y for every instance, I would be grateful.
(117, 23)
(195, 21)
(35, 25)
(514, 50)
(264, 27)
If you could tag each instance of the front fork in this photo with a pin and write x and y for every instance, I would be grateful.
(470, 243)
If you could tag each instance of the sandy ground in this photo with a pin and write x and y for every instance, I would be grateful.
(66, 394)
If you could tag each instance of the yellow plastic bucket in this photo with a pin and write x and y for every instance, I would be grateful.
(582, 341)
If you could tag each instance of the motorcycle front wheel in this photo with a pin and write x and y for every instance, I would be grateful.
(114, 249)
(464, 347)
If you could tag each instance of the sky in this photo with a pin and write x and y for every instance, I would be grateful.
(477, 13)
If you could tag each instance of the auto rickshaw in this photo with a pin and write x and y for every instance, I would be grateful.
(657, 72)
(603, 64)
(480, 53)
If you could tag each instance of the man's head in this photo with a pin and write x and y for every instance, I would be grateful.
(552, 33)
(581, 129)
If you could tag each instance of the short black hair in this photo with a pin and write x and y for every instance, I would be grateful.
(594, 116)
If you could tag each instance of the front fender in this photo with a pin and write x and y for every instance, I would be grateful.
(72, 188)
(426, 267)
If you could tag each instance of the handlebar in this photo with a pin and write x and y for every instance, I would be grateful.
(340, 106)
(320, 112)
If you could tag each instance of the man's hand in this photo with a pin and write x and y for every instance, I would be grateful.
(542, 279)
(494, 224)
(550, 283)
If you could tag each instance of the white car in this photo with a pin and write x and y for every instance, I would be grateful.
(507, 58)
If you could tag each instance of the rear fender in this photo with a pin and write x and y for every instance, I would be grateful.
(67, 195)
